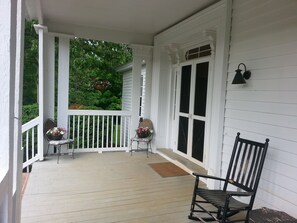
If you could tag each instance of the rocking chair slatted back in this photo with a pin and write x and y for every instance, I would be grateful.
(242, 179)
(246, 160)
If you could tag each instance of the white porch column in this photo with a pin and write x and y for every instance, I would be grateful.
(63, 82)
(41, 72)
(136, 71)
(48, 81)
(18, 155)
(155, 90)
(8, 12)
(140, 53)
(49, 77)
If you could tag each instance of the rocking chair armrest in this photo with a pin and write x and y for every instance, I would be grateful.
(208, 176)
(238, 193)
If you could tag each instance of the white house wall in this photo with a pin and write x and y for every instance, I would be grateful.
(127, 91)
(169, 49)
(264, 37)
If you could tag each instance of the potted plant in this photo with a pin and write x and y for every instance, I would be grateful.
(143, 132)
(101, 85)
(55, 133)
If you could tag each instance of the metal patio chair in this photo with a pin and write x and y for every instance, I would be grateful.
(241, 181)
(143, 123)
(50, 123)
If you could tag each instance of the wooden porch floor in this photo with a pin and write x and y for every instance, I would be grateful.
(108, 187)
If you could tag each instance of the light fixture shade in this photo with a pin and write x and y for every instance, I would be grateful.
(238, 78)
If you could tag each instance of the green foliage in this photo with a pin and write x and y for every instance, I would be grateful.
(29, 112)
(92, 60)
(30, 64)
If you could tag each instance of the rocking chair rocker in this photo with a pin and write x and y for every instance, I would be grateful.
(243, 176)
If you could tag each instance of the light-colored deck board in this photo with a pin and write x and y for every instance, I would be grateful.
(108, 187)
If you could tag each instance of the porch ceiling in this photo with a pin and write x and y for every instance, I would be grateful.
(128, 21)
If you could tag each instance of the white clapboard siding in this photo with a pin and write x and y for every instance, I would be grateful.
(264, 118)
(127, 91)
(264, 37)
(268, 107)
(282, 97)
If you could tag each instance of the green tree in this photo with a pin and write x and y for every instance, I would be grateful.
(90, 61)
(29, 112)
(30, 64)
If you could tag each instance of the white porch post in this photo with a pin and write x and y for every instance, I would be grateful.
(63, 82)
(8, 12)
(18, 159)
(154, 108)
(49, 77)
(41, 73)
(140, 53)
(219, 91)
(48, 80)
(136, 71)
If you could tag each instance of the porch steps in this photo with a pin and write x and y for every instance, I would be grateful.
(180, 161)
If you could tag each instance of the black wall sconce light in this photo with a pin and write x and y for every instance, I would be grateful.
(240, 78)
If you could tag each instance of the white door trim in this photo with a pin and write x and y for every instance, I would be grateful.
(206, 119)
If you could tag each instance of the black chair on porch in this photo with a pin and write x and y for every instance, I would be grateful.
(239, 186)
(55, 142)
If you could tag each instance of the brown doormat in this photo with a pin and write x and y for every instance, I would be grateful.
(168, 169)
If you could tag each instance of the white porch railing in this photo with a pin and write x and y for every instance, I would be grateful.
(92, 131)
(30, 142)
(98, 131)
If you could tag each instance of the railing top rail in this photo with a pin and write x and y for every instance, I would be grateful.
(98, 112)
(34, 122)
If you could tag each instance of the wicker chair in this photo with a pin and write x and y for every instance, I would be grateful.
(50, 123)
(143, 123)
(243, 177)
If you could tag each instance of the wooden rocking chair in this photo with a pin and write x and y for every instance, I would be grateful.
(242, 180)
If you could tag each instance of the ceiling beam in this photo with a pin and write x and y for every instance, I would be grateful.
(109, 35)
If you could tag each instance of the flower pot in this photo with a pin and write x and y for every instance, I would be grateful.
(143, 134)
(55, 137)
(100, 87)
